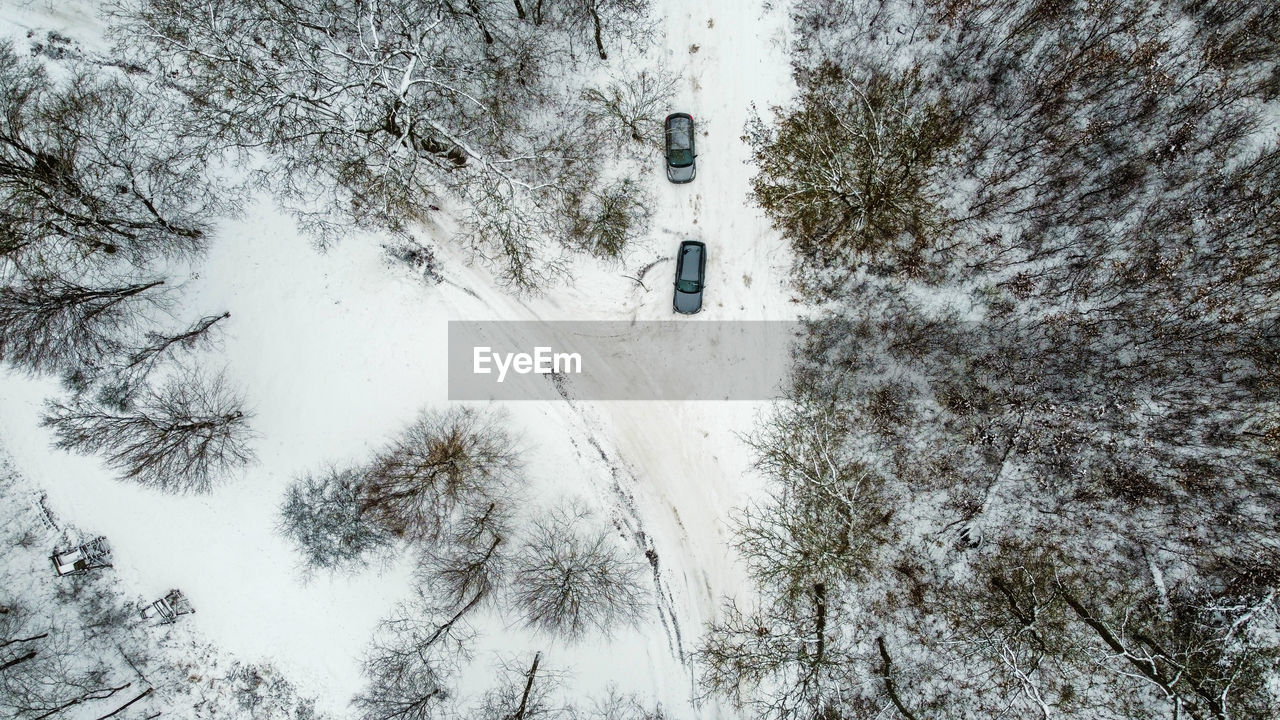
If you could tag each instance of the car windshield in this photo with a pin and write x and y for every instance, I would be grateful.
(680, 158)
(687, 286)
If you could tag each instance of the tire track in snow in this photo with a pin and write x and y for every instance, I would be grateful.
(630, 522)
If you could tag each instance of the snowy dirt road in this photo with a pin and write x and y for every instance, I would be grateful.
(678, 470)
(682, 467)
(337, 351)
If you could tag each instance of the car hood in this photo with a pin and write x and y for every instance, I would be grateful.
(680, 174)
(688, 302)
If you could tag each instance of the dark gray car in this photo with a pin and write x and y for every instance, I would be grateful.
(691, 275)
(680, 151)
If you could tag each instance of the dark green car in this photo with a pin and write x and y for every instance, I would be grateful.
(691, 276)
(680, 152)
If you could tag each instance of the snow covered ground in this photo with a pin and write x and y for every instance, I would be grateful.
(337, 350)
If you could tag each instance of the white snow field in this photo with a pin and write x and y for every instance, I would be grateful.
(338, 350)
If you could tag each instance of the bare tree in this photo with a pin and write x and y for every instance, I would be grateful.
(824, 515)
(605, 218)
(614, 705)
(595, 18)
(794, 649)
(447, 486)
(19, 634)
(177, 438)
(127, 374)
(321, 514)
(98, 185)
(49, 324)
(473, 560)
(90, 169)
(262, 691)
(119, 377)
(445, 466)
(46, 674)
(572, 578)
(460, 572)
(635, 104)
(500, 222)
(412, 658)
(402, 685)
(846, 174)
(890, 684)
(523, 692)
